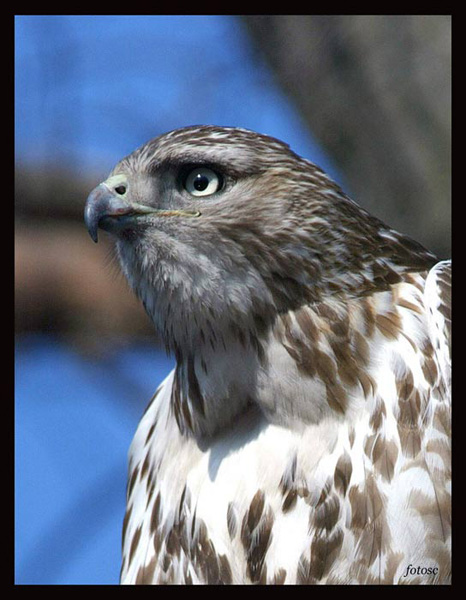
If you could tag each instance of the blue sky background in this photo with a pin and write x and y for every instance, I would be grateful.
(89, 90)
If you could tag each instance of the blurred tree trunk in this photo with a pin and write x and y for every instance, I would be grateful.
(376, 92)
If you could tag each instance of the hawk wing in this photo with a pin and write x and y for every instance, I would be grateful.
(438, 304)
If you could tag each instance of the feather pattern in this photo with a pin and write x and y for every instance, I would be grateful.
(304, 435)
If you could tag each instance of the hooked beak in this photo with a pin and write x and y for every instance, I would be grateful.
(103, 203)
(106, 206)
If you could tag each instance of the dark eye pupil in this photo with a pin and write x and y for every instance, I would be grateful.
(201, 182)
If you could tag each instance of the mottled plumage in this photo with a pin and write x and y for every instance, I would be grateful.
(304, 435)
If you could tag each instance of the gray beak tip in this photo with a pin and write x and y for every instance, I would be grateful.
(91, 222)
(91, 216)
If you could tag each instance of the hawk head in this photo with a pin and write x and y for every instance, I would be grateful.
(220, 229)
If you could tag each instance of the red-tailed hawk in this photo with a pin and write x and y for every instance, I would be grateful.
(303, 436)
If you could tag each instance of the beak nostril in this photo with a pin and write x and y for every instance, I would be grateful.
(120, 189)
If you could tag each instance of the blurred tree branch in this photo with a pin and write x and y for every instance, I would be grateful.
(376, 92)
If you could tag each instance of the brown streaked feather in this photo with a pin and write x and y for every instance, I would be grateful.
(324, 551)
(429, 368)
(361, 347)
(155, 515)
(368, 521)
(404, 303)
(384, 455)
(442, 420)
(337, 398)
(322, 554)
(389, 324)
(326, 514)
(256, 535)
(342, 475)
(408, 424)
(232, 520)
(290, 500)
(134, 543)
(307, 325)
(132, 481)
(298, 350)
(378, 414)
(145, 574)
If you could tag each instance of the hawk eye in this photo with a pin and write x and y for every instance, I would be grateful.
(121, 190)
(202, 181)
